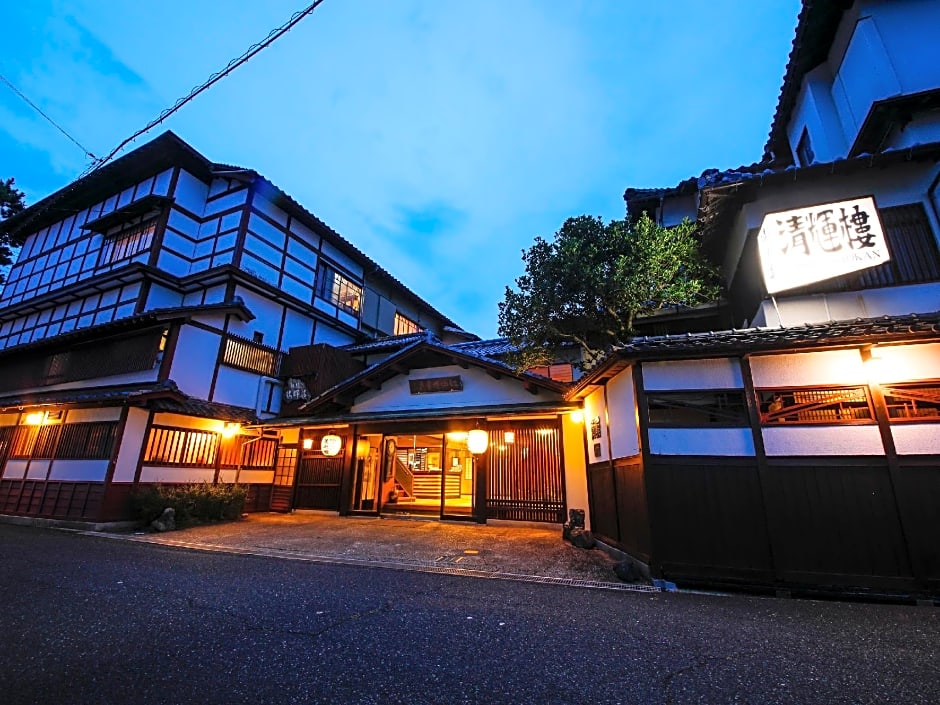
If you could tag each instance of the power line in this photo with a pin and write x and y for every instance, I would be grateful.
(254, 49)
(51, 121)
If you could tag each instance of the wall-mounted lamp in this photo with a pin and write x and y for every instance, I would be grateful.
(363, 447)
(231, 429)
(577, 416)
(331, 445)
(35, 418)
(477, 441)
(509, 437)
(307, 444)
(876, 367)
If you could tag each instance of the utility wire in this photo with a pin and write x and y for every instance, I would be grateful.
(97, 163)
(254, 49)
(51, 121)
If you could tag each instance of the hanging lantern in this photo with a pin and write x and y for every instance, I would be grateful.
(331, 444)
(363, 446)
(477, 441)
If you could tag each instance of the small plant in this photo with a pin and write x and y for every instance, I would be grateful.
(192, 502)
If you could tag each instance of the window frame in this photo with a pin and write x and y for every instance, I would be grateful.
(333, 284)
(776, 418)
(901, 391)
(404, 325)
(741, 421)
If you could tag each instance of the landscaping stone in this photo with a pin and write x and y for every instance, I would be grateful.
(166, 521)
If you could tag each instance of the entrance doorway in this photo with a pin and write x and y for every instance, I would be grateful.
(428, 474)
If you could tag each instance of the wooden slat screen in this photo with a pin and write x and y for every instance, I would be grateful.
(250, 356)
(87, 441)
(183, 447)
(253, 454)
(523, 480)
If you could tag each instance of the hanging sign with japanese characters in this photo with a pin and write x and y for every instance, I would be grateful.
(807, 245)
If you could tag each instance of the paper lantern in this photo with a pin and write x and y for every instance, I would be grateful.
(477, 441)
(331, 444)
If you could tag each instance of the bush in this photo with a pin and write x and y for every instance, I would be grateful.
(192, 503)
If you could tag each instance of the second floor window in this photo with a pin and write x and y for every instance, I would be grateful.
(339, 290)
(404, 326)
(128, 242)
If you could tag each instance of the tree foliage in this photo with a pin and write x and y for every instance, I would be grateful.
(590, 284)
(12, 201)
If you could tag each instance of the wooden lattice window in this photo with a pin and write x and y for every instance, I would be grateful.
(692, 409)
(259, 454)
(404, 326)
(815, 406)
(179, 446)
(250, 356)
(908, 402)
(128, 242)
(87, 441)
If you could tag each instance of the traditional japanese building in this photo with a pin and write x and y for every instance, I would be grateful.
(798, 446)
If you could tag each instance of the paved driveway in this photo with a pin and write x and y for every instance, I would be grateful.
(523, 552)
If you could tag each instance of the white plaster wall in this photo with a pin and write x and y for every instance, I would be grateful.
(253, 477)
(334, 254)
(830, 367)
(232, 200)
(112, 413)
(158, 473)
(576, 487)
(715, 373)
(289, 435)
(908, 363)
(298, 330)
(815, 111)
(194, 361)
(236, 387)
(479, 389)
(701, 441)
(79, 470)
(916, 438)
(594, 407)
(908, 31)
(327, 334)
(823, 440)
(192, 422)
(162, 297)
(845, 306)
(191, 193)
(622, 412)
(267, 316)
(269, 209)
(14, 469)
(131, 378)
(38, 469)
(132, 444)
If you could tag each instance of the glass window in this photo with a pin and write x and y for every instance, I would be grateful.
(337, 289)
(808, 406)
(404, 326)
(697, 408)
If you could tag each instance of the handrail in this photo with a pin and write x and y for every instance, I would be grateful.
(405, 477)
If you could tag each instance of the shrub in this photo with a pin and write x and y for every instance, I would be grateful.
(192, 502)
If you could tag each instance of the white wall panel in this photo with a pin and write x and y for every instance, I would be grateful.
(916, 438)
(269, 209)
(161, 186)
(14, 469)
(191, 193)
(168, 475)
(79, 470)
(327, 334)
(132, 445)
(267, 316)
(334, 254)
(38, 469)
(162, 297)
(831, 367)
(194, 361)
(595, 408)
(298, 330)
(576, 487)
(823, 440)
(236, 387)
(717, 373)
(253, 477)
(479, 389)
(908, 363)
(111, 413)
(193, 422)
(701, 441)
(621, 408)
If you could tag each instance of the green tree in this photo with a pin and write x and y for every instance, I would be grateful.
(12, 201)
(591, 283)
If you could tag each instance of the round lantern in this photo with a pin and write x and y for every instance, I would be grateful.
(331, 444)
(477, 441)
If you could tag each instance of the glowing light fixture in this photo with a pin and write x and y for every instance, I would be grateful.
(230, 430)
(308, 443)
(876, 367)
(477, 441)
(577, 416)
(331, 444)
(457, 436)
(35, 418)
(363, 447)
(509, 436)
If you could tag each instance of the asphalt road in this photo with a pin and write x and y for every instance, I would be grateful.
(91, 620)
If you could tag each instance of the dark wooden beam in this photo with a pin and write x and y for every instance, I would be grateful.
(494, 374)
(531, 388)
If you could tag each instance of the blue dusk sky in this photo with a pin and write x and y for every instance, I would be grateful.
(440, 137)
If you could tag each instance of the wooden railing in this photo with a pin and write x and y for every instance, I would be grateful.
(405, 477)
(251, 356)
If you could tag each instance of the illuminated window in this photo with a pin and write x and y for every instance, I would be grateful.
(404, 326)
(698, 408)
(177, 446)
(810, 406)
(128, 242)
(337, 289)
(920, 402)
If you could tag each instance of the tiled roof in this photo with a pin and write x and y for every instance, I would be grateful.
(809, 335)
(189, 406)
(389, 344)
(118, 394)
(495, 347)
